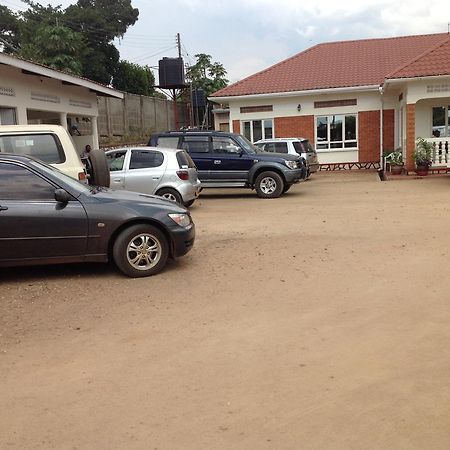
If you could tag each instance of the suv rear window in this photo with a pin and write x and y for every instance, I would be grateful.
(168, 142)
(184, 160)
(45, 147)
(145, 159)
(303, 147)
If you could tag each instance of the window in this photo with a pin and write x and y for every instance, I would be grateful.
(225, 145)
(18, 183)
(336, 132)
(185, 161)
(116, 160)
(8, 116)
(45, 147)
(144, 159)
(441, 121)
(196, 144)
(275, 147)
(254, 130)
(168, 142)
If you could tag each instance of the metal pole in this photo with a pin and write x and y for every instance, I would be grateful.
(179, 45)
(175, 110)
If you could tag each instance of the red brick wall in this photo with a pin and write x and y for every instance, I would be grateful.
(369, 136)
(388, 129)
(410, 135)
(298, 126)
(236, 126)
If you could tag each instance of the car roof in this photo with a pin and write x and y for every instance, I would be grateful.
(146, 147)
(16, 157)
(192, 132)
(281, 140)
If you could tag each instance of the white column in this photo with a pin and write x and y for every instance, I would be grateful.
(95, 143)
(63, 119)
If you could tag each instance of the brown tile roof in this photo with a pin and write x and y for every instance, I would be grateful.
(434, 61)
(342, 64)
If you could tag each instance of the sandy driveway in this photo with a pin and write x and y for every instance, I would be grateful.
(320, 320)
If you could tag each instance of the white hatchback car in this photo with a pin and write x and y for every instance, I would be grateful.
(292, 146)
(169, 173)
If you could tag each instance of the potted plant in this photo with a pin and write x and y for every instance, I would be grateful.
(423, 156)
(395, 161)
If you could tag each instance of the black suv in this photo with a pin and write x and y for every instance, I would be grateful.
(230, 160)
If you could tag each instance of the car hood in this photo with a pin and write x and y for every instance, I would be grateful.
(269, 156)
(136, 198)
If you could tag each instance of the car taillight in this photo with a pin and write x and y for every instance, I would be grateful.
(81, 176)
(183, 174)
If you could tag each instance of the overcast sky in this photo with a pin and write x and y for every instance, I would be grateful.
(249, 35)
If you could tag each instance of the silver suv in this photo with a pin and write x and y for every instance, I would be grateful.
(169, 173)
(292, 146)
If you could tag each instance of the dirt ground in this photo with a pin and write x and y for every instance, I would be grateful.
(319, 320)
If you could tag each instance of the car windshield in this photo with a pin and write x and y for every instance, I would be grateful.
(246, 144)
(78, 186)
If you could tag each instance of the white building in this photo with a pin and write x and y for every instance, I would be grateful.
(31, 93)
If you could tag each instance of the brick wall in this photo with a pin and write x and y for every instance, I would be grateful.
(410, 135)
(388, 129)
(369, 136)
(236, 126)
(298, 126)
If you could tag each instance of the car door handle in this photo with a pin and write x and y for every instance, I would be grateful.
(117, 180)
(217, 161)
(3, 208)
(155, 178)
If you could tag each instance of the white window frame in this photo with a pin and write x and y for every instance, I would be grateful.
(262, 128)
(328, 141)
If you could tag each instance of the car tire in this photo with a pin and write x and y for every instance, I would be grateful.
(269, 185)
(97, 168)
(287, 187)
(189, 203)
(170, 194)
(141, 251)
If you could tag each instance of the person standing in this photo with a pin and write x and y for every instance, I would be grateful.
(85, 154)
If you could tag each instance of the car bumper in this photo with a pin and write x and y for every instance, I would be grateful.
(295, 175)
(314, 167)
(182, 240)
(190, 191)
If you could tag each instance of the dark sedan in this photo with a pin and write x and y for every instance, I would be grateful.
(47, 217)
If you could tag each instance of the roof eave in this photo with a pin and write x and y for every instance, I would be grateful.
(62, 76)
(423, 77)
(366, 88)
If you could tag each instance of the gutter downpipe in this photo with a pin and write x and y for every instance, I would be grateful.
(382, 162)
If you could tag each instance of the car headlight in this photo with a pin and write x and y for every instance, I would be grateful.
(291, 164)
(184, 220)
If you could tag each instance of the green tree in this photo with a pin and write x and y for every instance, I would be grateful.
(207, 75)
(134, 78)
(93, 25)
(57, 47)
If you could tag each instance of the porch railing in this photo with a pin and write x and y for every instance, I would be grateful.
(440, 153)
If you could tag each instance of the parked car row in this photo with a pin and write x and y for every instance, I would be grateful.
(48, 216)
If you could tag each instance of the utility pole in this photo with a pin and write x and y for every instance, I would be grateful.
(179, 45)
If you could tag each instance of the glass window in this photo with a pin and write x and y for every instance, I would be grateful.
(144, 159)
(19, 183)
(440, 121)
(185, 161)
(247, 130)
(336, 132)
(281, 147)
(196, 144)
(225, 145)
(7, 116)
(116, 160)
(254, 130)
(45, 147)
(268, 129)
(168, 142)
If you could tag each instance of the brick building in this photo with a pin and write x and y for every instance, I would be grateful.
(352, 99)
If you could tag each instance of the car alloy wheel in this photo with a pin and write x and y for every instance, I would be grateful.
(268, 185)
(169, 196)
(143, 251)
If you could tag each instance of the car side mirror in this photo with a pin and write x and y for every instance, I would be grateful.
(62, 196)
